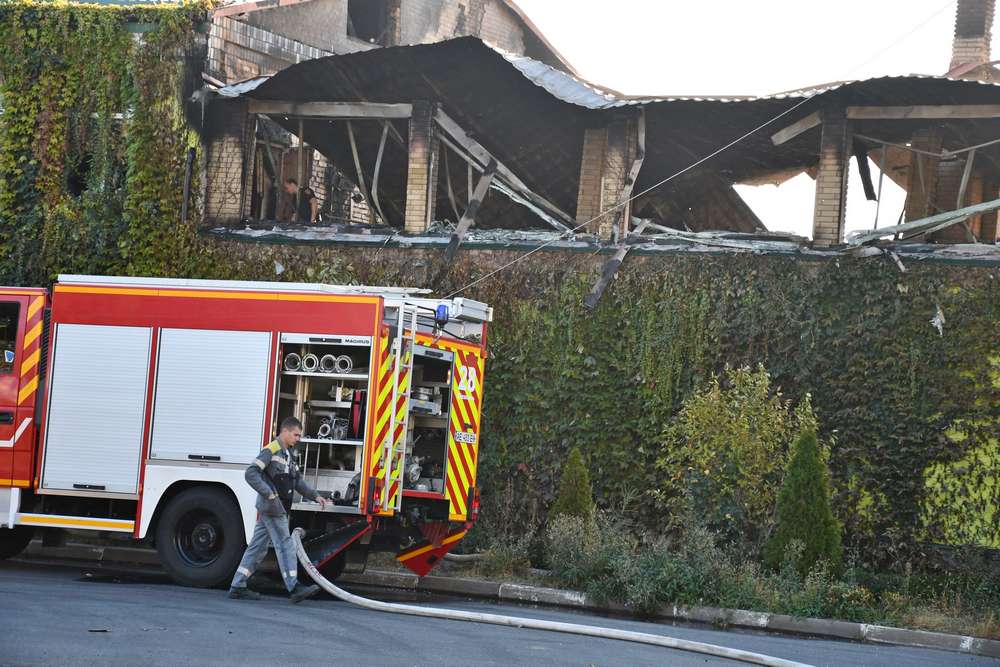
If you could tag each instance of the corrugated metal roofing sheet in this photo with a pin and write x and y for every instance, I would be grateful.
(583, 93)
(577, 91)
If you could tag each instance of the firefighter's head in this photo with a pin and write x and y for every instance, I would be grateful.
(290, 431)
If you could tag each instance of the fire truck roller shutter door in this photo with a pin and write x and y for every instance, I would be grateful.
(218, 380)
(97, 407)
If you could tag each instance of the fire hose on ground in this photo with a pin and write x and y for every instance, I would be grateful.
(533, 623)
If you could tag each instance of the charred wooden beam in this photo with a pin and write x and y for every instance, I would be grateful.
(864, 170)
(469, 217)
(611, 267)
(924, 225)
(483, 157)
(795, 129)
(924, 112)
(354, 110)
(378, 169)
(358, 170)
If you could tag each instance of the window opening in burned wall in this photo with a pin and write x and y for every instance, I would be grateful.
(368, 20)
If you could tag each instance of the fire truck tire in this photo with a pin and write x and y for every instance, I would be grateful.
(200, 537)
(13, 541)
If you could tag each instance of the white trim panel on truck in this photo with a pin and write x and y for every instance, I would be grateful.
(211, 395)
(97, 405)
(160, 475)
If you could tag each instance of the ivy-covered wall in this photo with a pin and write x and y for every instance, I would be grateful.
(93, 137)
(911, 410)
(92, 149)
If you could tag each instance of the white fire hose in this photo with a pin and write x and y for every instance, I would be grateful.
(533, 623)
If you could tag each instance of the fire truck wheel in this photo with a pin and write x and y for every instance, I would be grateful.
(200, 537)
(13, 541)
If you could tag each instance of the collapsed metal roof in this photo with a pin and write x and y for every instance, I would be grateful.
(532, 117)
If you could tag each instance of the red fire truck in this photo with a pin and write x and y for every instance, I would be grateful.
(134, 405)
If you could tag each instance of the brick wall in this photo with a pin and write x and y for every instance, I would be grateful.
(320, 23)
(949, 180)
(831, 180)
(360, 212)
(426, 21)
(318, 177)
(239, 51)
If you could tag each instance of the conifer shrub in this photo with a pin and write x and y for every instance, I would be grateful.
(724, 455)
(804, 511)
(576, 495)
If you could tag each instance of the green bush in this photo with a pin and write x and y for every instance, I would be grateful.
(602, 559)
(803, 511)
(723, 456)
(576, 496)
(584, 551)
(508, 556)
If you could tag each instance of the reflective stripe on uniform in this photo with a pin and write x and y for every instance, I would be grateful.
(242, 570)
(260, 464)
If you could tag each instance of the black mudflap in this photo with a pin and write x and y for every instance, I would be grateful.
(321, 548)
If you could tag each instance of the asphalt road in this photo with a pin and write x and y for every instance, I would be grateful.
(58, 615)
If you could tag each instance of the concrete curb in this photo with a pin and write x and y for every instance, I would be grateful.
(521, 593)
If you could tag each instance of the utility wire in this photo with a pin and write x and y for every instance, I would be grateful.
(691, 166)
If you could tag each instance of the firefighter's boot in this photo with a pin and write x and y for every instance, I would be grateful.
(300, 593)
(243, 593)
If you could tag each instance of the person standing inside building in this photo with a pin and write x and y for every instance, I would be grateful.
(308, 206)
(275, 477)
(289, 194)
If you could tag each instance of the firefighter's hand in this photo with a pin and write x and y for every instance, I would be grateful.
(323, 502)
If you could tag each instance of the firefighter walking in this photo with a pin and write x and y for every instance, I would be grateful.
(275, 477)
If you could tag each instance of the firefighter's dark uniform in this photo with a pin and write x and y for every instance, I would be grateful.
(275, 477)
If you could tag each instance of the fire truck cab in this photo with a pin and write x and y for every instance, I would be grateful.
(135, 405)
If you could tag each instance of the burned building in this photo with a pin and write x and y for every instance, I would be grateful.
(256, 39)
(497, 131)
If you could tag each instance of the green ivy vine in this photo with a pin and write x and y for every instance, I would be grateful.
(92, 138)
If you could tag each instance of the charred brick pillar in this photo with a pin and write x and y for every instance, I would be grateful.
(421, 171)
(590, 193)
(227, 134)
(608, 153)
(831, 179)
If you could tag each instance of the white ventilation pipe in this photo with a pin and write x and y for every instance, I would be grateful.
(533, 623)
